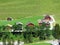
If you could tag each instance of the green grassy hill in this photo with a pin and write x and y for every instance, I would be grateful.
(26, 8)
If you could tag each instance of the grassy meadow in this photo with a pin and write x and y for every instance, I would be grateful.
(38, 44)
(23, 10)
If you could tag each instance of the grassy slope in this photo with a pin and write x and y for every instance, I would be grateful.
(23, 20)
(38, 44)
(23, 8)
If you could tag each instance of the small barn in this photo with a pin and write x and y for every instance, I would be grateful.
(30, 24)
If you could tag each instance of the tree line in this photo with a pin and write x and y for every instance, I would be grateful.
(32, 31)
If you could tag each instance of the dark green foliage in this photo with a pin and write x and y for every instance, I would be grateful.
(4, 40)
(3, 27)
(30, 28)
(41, 31)
(42, 35)
(17, 27)
(44, 26)
(44, 31)
(56, 31)
(7, 36)
(28, 37)
(28, 34)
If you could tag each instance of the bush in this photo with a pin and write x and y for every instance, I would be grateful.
(56, 31)
(17, 27)
(28, 34)
(44, 32)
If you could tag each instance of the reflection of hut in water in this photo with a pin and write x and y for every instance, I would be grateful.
(18, 26)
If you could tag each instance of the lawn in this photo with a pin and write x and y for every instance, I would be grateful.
(23, 20)
(38, 44)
